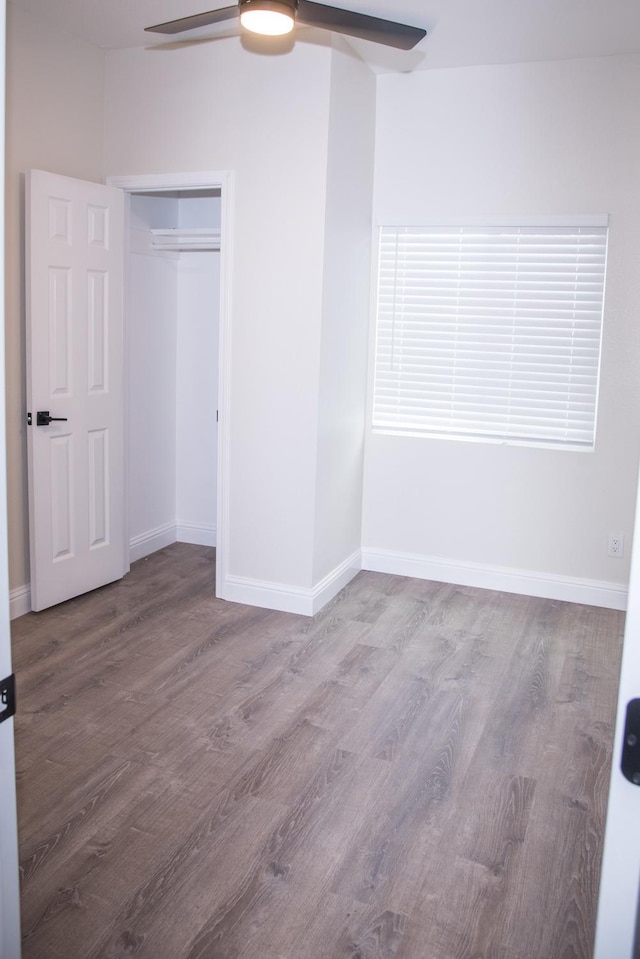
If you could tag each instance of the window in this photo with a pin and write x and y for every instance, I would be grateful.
(491, 332)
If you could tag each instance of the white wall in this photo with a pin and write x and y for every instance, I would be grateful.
(543, 138)
(152, 325)
(197, 381)
(55, 92)
(218, 107)
(345, 313)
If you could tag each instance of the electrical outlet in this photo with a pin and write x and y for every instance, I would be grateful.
(616, 545)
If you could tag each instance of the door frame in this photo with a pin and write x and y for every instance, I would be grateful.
(9, 881)
(222, 180)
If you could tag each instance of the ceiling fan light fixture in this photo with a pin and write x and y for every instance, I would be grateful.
(272, 18)
(277, 17)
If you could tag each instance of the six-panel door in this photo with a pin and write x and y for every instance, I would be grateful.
(75, 375)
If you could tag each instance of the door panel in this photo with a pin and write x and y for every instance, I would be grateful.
(9, 886)
(75, 373)
(620, 876)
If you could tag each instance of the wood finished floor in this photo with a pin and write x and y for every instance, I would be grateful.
(418, 772)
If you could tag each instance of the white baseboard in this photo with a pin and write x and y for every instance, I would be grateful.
(155, 539)
(139, 547)
(291, 599)
(527, 583)
(20, 601)
(307, 602)
(336, 580)
(151, 541)
(196, 535)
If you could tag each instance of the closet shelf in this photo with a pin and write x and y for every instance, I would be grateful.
(180, 239)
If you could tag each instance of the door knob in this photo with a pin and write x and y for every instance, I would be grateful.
(43, 418)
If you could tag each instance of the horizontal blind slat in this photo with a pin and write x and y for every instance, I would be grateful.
(492, 331)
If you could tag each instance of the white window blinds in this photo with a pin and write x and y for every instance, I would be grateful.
(490, 332)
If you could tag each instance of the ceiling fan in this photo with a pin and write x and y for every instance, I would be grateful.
(277, 17)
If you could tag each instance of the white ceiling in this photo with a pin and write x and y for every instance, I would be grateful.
(460, 32)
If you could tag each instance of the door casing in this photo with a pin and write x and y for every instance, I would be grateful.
(208, 180)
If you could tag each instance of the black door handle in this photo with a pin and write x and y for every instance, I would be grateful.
(630, 763)
(43, 418)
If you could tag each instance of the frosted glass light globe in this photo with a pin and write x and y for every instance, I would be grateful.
(270, 23)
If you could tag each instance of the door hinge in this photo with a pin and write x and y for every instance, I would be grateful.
(7, 697)
(29, 419)
(630, 764)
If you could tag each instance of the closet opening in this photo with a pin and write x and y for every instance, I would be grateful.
(174, 322)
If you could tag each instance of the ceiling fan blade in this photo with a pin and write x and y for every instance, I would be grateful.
(359, 25)
(197, 20)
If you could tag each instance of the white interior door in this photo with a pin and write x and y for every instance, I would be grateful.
(9, 888)
(74, 375)
(9, 885)
(617, 926)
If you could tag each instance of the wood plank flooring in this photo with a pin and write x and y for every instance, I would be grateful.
(418, 772)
